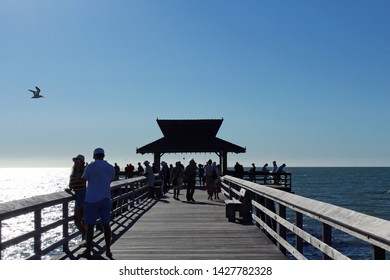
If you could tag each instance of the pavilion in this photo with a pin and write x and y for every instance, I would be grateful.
(191, 136)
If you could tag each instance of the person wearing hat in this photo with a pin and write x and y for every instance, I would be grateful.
(150, 178)
(77, 187)
(99, 175)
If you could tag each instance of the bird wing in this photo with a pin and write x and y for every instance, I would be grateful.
(38, 90)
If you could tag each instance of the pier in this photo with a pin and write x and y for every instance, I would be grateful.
(268, 225)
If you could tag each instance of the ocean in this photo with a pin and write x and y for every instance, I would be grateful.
(363, 189)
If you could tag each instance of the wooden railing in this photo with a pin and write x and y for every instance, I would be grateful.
(279, 213)
(125, 195)
(279, 181)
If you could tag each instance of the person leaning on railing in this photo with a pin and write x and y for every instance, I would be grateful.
(77, 188)
(279, 171)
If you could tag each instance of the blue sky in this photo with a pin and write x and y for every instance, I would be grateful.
(303, 82)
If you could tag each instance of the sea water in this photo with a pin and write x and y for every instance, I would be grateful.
(18, 183)
(363, 189)
(366, 190)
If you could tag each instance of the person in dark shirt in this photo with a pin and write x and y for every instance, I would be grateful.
(190, 178)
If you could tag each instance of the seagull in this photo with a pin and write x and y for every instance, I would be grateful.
(36, 92)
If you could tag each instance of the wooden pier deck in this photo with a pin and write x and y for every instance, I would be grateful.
(168, 229)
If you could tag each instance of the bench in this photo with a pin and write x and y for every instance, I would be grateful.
(234, 205)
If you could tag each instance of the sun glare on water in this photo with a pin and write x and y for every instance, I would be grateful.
(18, 183)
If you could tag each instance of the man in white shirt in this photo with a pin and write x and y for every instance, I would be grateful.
(99, 175)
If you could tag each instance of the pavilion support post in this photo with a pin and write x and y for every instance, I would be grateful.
(223, 162)
(157, 158)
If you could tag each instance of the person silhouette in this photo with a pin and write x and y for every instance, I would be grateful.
(99, 174)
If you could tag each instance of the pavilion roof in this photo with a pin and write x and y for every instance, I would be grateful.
(190, 136)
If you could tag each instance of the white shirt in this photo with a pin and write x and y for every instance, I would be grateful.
(99, 175)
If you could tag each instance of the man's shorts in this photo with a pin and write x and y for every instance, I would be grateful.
(97, 209)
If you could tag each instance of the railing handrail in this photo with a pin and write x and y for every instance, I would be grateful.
(375, 231)
(36, 204)
(265, 178)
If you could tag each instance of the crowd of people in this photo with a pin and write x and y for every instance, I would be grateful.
(90, 186)
(176, 176)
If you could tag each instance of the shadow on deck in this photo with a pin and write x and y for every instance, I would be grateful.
(167, 229)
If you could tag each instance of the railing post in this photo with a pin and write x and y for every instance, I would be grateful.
(230, 190)
(124, 198)
(261, 200)
(135, 196)
(130, 200)
(326, 238)
(65, 226)
(298, 240)
(281, 230)
(247, 206)
(1, 242)
(270, 205)
(288, 182)
(378, 253)
(254, 209)
(38, 233)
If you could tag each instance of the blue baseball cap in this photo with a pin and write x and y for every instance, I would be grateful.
(98, 151)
